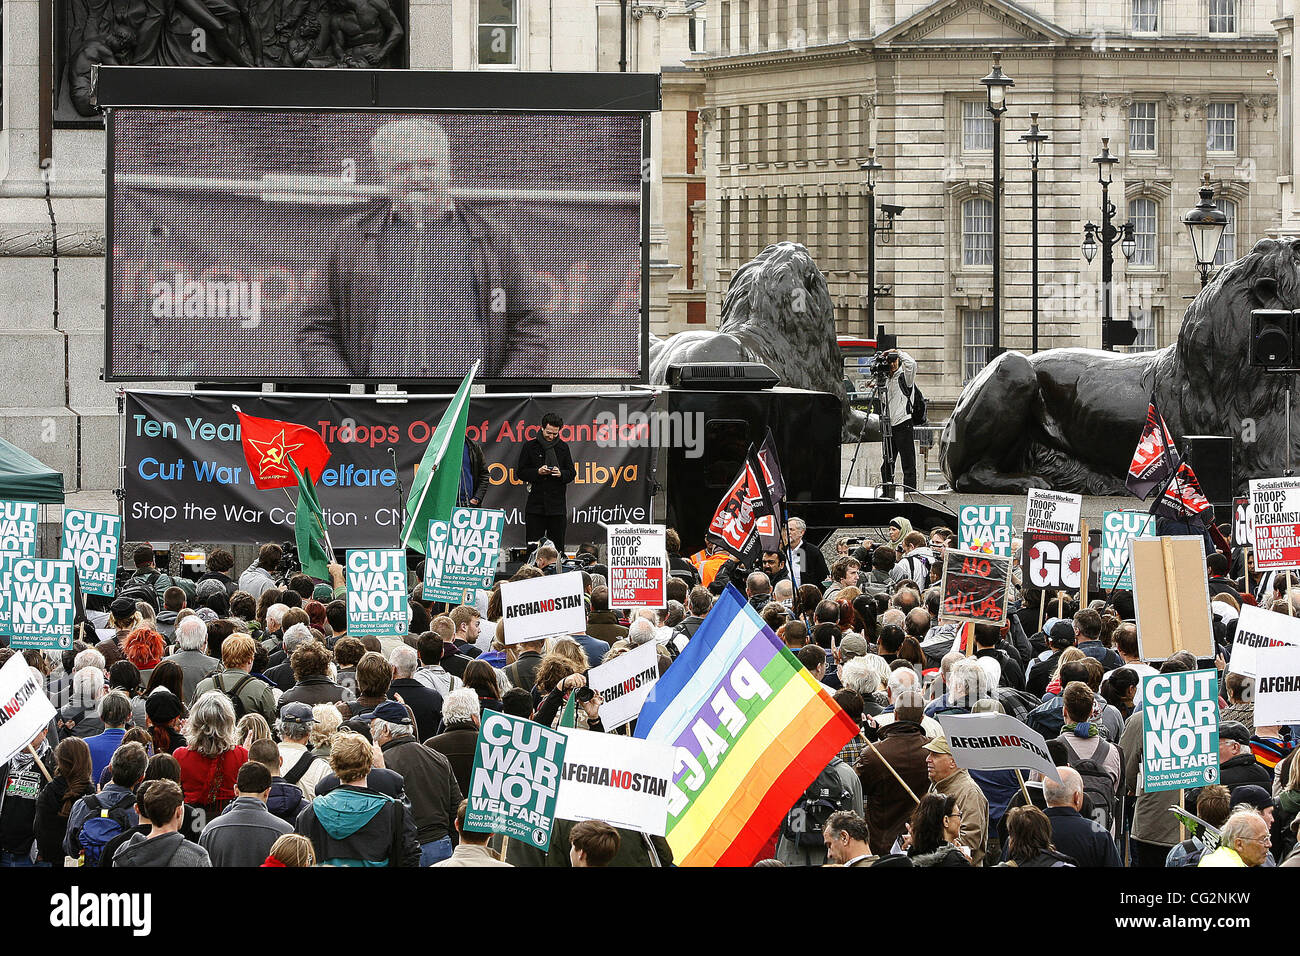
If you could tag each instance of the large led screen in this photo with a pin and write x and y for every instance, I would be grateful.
(256, 245)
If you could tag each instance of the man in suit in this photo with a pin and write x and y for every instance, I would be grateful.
(806, 563)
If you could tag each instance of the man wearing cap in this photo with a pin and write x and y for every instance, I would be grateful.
(297, 764)
(948, 779)
(430, 782)
(244, 832)
(1060, 635)
(1237, 763)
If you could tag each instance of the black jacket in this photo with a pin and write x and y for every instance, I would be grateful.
(523, 672)
(1083, 840)
(430, 785)
(424, 701)
(342, 316)
(546, 493)
(1012, 674)
(478, 470)
(389, 835)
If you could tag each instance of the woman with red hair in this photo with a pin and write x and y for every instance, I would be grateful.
(144, 647)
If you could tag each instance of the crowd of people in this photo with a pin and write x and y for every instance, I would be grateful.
(233, 721)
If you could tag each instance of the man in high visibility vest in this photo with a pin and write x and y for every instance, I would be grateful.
(708, 561)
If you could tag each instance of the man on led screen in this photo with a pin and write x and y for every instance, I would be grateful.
(420, 285)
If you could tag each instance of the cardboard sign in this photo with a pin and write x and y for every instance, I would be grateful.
(1180, 730)
(538, 608)
(1055, 561)
(377, 596)
(622, 781)
(1053, 512)
(985, 529)
(1277, 686)
(974, 588)
(1117, 527)
(24, 708)
(1243, 524)
(1275, 505)
(515, 777)
(41, 603)
(18, 521)
(996, 742)
(91, 541)
(461, 554)
(1163, 630)
(638, 566)
(1256, 630)
(624, 684)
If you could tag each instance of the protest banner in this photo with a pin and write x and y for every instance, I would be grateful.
(985, 529)
(41, 603)
(18, 520)
(974, 588)
(538, 608)
(24, 709)
(638, 566)
(513, 783)
(752, 730)
(1275, 507)
(1053, 512)
(996, 742)
(1180, 730)
(625, 683)
(1171, 596)
(91, 541)
(620, 780)
(1243, 524)
(1117, 527)
(185, 474)
(377, 597)
(1258, 629)
(1050, 561)
(461, 554)
(1277, 685)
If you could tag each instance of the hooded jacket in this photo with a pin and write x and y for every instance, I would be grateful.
(170, 849)
(353, 826)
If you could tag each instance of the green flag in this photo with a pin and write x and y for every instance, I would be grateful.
(433, 493)
(309, 527)
(569, 717)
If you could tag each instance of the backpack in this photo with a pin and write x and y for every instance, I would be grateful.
(1097, 785)
(917, 405)
(233, 693)
(103, 824)
(1048, 718)
(807, 818)
(145, 588)
(872, 586)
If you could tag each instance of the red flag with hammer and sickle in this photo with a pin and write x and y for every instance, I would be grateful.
(269, 444)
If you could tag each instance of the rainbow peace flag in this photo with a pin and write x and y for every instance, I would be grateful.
(752, 730)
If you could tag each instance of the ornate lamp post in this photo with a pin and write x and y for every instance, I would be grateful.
(996, 84)
(1107, 234)
(1206, 223)
(1034, 141)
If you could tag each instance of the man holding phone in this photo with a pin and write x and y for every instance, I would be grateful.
(546, 465)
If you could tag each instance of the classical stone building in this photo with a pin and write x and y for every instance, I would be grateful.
(798, 89)
(52, 401)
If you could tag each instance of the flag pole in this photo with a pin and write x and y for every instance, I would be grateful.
(324, 532)
(404, 538)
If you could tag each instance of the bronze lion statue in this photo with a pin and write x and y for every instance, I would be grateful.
(777, 311)
(1069, 419)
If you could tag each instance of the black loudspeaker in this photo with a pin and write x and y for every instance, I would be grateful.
(1272, 339)
(1210, 456)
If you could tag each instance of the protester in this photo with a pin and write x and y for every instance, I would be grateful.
(900, 746)
(948, 779)
(115, 712)
(212, 755)
(71, 782)
(593, 843)
(108, 813)
(424, 701)
(162, 804)
(245, 831)
(471, 849)
(1243, 842)
(460, 715)
(933, 831)
(291, 850)
(1029, 840)
(1083, 840)
(236, 682)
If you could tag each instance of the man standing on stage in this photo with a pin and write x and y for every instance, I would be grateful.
(547, 466)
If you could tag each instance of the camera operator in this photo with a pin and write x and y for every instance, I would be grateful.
(900, 375)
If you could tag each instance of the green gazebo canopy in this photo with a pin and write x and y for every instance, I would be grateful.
(23, 478)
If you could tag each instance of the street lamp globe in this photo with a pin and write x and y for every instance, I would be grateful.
(1105, 161)
(1089, 241)
(997, 83)
(1206, 223)
(1034, 139)
(871, 167)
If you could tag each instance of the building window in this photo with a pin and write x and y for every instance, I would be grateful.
(977, 232)
(1145, 320)
(976, 126)
(724, 28)
(976, 341)
(1142, 214)
(1142, 128)
(1227, 251)
(744, 26)
(1221, 127)
(498, 32)
(1223, 16)
(1146, 16)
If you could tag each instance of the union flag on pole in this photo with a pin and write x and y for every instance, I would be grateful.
(269, 444)
(1155, 459)
(1183, 498)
